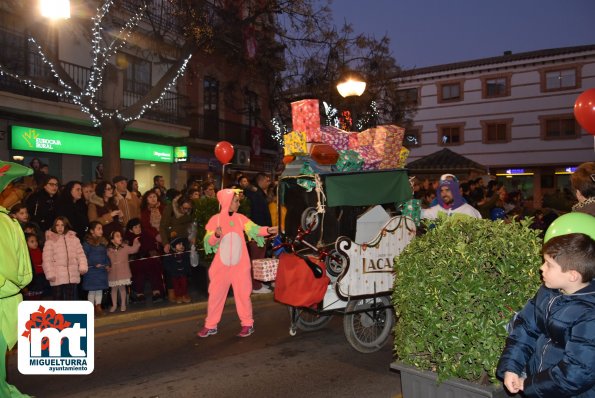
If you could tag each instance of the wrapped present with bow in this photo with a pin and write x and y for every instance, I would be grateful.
(349, 160)
(295, 143)
(372, 159)
(305, 116)
(265, 269)
(403, 155)
(337, 138)
(387, 141)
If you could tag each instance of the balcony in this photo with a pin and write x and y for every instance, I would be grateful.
(236, 133)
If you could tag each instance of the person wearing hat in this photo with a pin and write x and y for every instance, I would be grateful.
(177, 268)
(450, 202)
(15, 274)
(127, 202)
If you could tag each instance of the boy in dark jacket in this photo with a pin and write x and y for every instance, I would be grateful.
(551, 349)
(177, 267)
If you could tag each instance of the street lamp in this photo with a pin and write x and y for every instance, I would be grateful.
(351, 84)
(55, 9)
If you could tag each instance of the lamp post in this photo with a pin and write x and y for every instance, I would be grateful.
(55, 9)
(351, 84)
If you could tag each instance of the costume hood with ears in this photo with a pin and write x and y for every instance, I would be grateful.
(225, 196)
(11, 171)
(457, 199)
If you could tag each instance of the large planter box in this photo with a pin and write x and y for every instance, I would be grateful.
(417, 383)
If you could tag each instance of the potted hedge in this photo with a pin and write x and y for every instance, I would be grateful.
(456, 288)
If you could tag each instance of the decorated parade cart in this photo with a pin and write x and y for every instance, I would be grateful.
(342, 198)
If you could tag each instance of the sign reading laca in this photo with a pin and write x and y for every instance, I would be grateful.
(56, 337)
(33, 139)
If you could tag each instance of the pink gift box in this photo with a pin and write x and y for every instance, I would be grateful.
(337, 138)
(372, 159)
(265, 269)
(305, 115)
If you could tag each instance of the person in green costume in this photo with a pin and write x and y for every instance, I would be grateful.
(15, 274)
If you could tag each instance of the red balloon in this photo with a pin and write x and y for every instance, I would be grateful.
(224, 152)
(584, 110)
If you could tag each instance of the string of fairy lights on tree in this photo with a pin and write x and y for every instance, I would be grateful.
(101, 54)
(280, 129)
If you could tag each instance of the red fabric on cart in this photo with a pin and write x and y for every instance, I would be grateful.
(296, 285)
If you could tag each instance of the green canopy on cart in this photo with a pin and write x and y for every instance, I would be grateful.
(364, 188)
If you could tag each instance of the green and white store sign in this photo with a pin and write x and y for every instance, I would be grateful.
(40, 140)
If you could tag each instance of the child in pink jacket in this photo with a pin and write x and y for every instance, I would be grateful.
(231, 265)
(64, 260)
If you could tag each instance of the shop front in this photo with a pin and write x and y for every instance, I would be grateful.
(73, 156)
(539, 186)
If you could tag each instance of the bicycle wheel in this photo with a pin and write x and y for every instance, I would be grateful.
(310, 321)
(335, 263)
(310, 219)
(369, 330)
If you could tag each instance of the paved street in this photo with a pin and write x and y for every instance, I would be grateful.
(161, 357)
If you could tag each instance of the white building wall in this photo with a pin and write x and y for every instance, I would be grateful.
(524, 106)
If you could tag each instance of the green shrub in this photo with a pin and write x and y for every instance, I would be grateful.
(456, 288)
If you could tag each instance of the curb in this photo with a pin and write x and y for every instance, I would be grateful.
(170, 309)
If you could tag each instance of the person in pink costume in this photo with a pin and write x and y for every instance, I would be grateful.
(231, 265)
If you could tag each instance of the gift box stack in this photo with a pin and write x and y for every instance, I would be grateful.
(265, 269)
(379, 146)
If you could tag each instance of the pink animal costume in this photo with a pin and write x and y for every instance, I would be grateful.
(231, 265)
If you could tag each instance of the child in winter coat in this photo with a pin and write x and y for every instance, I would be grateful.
(119, 272)
(550, 351)
(177, 267)
(231, 265)
(146, 264)
(38, 284)
(95, 281)
(63, 260)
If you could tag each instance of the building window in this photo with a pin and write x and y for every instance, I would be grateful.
(412, 137)
(498, 86)
(451, 134)
(210, 94)
(448, 92)
(253, 109)
(559, 127)
(560, 79)
(408, 96)
(496, 131)
(137, 76)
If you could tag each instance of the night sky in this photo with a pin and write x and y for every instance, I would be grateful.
(433, 32)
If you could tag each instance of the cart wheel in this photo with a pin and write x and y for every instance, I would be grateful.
(292, 332)
(369, 327)
(310, 219)
(310, 321)
(335, 263)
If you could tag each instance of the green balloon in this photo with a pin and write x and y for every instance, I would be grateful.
(571, 223)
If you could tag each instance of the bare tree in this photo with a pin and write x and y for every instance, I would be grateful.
(168, 32)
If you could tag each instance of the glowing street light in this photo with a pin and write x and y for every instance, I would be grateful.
(351, 84)
(55, 9)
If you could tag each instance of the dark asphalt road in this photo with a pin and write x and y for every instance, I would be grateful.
(162, 357)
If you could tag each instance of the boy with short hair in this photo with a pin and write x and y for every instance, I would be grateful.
(551, 349)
